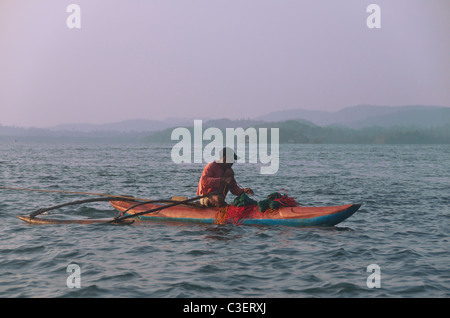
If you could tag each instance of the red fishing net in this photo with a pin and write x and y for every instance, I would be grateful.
(237, 214)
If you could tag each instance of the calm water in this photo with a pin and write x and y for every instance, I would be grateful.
(402, 226)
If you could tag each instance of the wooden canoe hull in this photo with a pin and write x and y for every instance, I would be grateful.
(288, 216)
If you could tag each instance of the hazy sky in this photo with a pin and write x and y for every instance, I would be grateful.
(154, 59)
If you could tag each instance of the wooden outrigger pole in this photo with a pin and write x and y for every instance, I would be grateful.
(33, 219)
(121, 220)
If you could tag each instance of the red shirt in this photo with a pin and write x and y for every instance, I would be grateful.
(210, 180)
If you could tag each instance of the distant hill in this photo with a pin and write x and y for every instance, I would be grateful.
(225, 122)
(367, 116)
(351, 117)
(317, 117)
(301, 132)
(358, 124)
(423, 118)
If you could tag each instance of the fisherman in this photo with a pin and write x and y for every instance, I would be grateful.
(219, 177)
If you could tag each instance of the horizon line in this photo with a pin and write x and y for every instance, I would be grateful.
(207, 118)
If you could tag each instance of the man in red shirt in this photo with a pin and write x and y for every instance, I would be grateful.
(219, 177)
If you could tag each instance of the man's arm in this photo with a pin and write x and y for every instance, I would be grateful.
(209, 179)
(235, 188)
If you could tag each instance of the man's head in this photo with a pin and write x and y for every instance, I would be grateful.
(227, 156)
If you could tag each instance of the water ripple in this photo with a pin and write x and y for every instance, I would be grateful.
(402, 226)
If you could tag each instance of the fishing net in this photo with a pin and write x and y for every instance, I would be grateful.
(244, 207)
(275, 201)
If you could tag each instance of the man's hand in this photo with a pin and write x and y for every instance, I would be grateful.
(248, 191)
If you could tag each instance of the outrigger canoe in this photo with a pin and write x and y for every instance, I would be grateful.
(288, 216)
